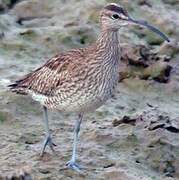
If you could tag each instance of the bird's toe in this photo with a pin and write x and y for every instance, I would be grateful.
(48, 141)
(74, 166)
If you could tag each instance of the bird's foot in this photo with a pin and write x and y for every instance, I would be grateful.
(48, 141)
(73, 165)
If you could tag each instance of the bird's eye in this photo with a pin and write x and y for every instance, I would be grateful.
(115, 16)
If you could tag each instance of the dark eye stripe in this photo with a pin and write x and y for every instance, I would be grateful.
(115, 8)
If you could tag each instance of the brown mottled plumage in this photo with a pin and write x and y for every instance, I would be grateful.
(71, 81)
(80, 80)
(46, 79)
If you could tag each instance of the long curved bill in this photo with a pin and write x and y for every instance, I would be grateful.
(150, 27)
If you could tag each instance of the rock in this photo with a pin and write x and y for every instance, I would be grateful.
(143, 63)
(28, 138)
(26, 10)
(20, 174)
(171, 2)
(170, 49)
(159, 71)
(144, 2)
(32, 31)
(160, 149)
(3, 116)
(124, 120)
(116, 174)
(137, 55)
(153, 39)
(29, 34)
(83, 35)
(94, 15)
(3, 6)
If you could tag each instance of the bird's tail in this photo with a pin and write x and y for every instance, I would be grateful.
(18, 87)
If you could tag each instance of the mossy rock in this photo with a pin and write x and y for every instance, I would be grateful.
(130, 72)
(26, 104)
(171, 2)
(152, 38)
(161, 157)
(65, 39)
(159, 71)
(113, 1)
(13, 46)
(75, 37)
(102, 114)
(130, 141)
(29, 138)
(10, 3)
(169, 49)
(83, 35)
(137, 85)
(3, 116)
(29, 34)
(94, 15)
(5, 23)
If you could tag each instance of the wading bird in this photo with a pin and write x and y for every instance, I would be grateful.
(81, 80)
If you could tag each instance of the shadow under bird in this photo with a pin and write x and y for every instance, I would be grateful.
(81, 80)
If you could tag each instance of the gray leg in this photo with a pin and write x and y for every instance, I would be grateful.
(48, 139)
(72, 163)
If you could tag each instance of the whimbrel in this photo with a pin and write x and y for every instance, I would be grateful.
(81, 80)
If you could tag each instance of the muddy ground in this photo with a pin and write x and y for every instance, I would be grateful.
(133, 136)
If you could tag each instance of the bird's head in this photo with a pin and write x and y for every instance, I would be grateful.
(113, 17)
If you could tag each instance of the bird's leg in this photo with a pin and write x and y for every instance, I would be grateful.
(48, 139)
(72, 163)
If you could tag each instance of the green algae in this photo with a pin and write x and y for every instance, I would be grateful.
(3, 117)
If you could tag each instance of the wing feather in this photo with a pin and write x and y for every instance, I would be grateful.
(46, 79)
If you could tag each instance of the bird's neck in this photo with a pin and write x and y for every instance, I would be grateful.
(108, 38)
(108, 57)
(108, 46)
